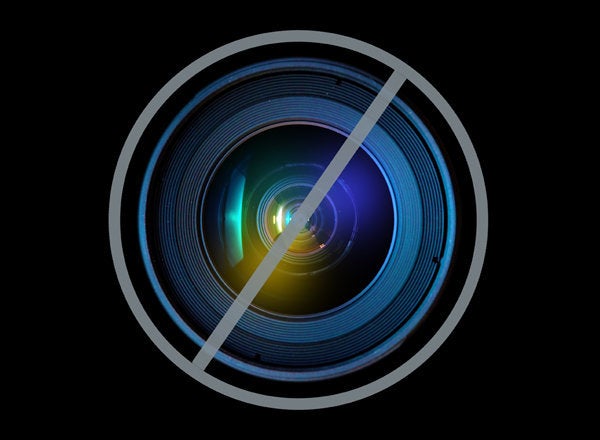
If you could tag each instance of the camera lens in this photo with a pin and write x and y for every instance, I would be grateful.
(227, 175)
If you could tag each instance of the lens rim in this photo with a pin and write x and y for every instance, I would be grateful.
(319, 348)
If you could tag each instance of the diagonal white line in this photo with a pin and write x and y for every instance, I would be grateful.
(306, 210)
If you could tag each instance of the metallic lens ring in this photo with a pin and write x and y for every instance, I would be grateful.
(422, 193)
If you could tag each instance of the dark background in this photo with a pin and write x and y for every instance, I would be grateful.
(489, 373)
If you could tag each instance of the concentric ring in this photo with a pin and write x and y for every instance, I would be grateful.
(420, 223)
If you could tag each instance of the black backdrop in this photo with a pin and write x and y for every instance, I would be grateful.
(112, 376)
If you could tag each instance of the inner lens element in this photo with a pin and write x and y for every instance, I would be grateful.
(254, 194)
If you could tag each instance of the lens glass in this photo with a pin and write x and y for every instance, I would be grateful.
(255, 192)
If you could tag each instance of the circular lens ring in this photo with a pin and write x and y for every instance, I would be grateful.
(396, 298)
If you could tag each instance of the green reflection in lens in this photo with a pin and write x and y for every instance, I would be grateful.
(233, 219)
